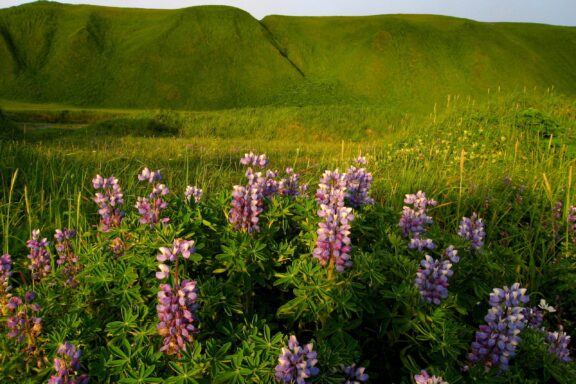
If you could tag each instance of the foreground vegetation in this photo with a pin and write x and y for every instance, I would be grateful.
(510, 161)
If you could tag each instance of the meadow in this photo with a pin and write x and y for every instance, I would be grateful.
(256, 296)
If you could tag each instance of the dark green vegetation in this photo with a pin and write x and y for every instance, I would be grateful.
(509, 159)
(220, 57)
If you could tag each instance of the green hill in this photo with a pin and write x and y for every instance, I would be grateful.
(215, 57)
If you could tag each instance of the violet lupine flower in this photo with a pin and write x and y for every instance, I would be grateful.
(497, 340)
(67, 365)
(270, 184)
(179, 247)
(39, 256)
(108, 202)
(414, 220)
(355, 375)
(5, 273)
(558, 342)
(67, 259)
(295, 363)
(150, 208)
(534, 317)
(332, 189)
(421, 244)
(425, 378)
(23, 324)
(247, 204)
(472, 229)
(254, 160)
(358, 184)
(176, 308)
(333, 242)
(193, 192)
(334, 237)
(432, 279)
(361, 160)
(290, 186)
(150, 176)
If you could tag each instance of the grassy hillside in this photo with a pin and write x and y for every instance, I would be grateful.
(216, 57)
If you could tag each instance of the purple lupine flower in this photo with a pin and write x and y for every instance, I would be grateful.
(254, 160)
(290, 186)
(472, 229)
(452, 254)
(296, 363)
(332, 189)
(23, 324)
(149, 176)
(432, 279)
(361, 160)
(413, 221)
(193, 192)
(150, 208)
(5, 273)
(558, 342)
(495, 342)
(534, 317)
(176, 312)
(334, 237)
(67, 365)
(270, 184)
(67, 259)
(355, 375)
(248, 202)
(421, 244)
(108, 202)
(39, 256)
(425, 378)
(358, 184)
(333, 242)
(179, 247)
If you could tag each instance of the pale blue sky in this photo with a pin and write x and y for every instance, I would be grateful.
(561, 12)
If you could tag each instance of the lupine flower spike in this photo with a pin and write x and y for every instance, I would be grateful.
(109, 202)
(496, 341)
(67, 259)
(251, 159)
(333, 242)
(39, 256)
(425, 378)
(176, 303)
(193, 192)
(5, 273)
(358, 184)
(67, 366)
(23, 325)
(150, 208)
(414, 220)
(472, 229)
(296, 363)
(558, 342)
(432, 278)
(355, 375)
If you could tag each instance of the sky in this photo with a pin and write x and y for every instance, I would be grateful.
(559, 12)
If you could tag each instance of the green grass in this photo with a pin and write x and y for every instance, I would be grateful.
(215, 57)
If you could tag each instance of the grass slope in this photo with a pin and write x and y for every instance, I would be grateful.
(215, 57)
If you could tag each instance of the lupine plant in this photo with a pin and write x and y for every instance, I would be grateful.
(23, 325)
(109, 201)
(333, 242)
(5, 273)
(150, 208)
(67, 258)
(496, 342)
(415, 219)
(193, 192)
(558, 342)
(39, 256)
(67, 366)
(290, 185)
(432, 278)
(176, 302)
(355, 375)
(296, 364)
(358, 184)
(424, 378)
(472, 229)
